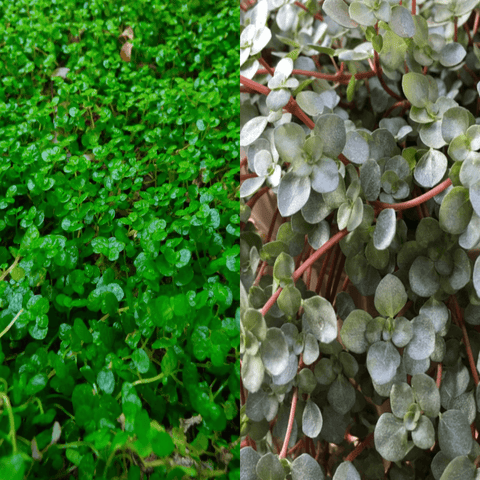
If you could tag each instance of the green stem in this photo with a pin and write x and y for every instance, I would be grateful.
(9, 326)
(80, 444)
(12, 421)
(5, 383)
(64, 411)
(10, 268)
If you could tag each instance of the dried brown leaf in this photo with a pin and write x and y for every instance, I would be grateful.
(128, 32)
(126, 52)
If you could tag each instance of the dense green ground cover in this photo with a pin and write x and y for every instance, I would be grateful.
(119, 255)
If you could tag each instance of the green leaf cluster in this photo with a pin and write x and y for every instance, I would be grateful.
(119, 251)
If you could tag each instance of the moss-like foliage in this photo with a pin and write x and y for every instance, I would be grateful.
(119, 250)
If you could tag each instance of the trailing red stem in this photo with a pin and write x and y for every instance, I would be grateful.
(317, 15)
(248, 175)
(321, 275)
(267, 66)
(416, 201)
(343, 78)
(404, 309)
(283, 453)
(466, 341)
(394, 106)
(333, 291)
(298, 273)
(309, 275)
(475, 23)
(260, 273)
(251, 203)
(304, 250)
(243, 397)
(272, 225)
(360, 448)
(439, 374)
(331, 273)
(378, 72)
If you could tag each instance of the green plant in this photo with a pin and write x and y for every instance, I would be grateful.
(119, 255)
(373, 162)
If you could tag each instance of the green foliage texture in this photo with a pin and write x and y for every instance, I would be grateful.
(119, 250)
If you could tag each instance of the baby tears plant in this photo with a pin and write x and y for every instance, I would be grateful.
(360, 287)
(119, 241)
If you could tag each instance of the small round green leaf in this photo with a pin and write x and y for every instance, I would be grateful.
(423, 277)
(460, 468)
(353, 331)
(422, 344)
(401, 397)
(383, 360)
(141, 360)
(341, 395)
(162, 444)
(391, 438)
(270, 468)
(401, 22)
(274, 351)
(304, 467)
(385, 229)
(390, 296)
(415, 88)
(431, 168)
(455, 211)
(338, 11)
(321, 318)
(454, 434)
(346, 471)
(312, 419)
(424, 435)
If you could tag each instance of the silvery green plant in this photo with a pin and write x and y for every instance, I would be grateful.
(361, 118)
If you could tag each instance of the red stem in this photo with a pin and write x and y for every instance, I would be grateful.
(248, 175)
(394, 106)
(470, 39)
(304, 251)
(260, 273)
(414, 7)
(343, 78)
(360, 448)
(321, 275)
(471, 73)
(416, 201)
(283, 453)
(309, 276)
(317, 15)
(251, 203)
(404, 309)
(267, 66)
(333, 291)
(296, 447)
(272, 225)
(243, 162)
(439, 374)
(318, 451)
(298, 273)
(476, 22)
(345, 284)
(466, 341)
(331, 273)
(378, 72)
